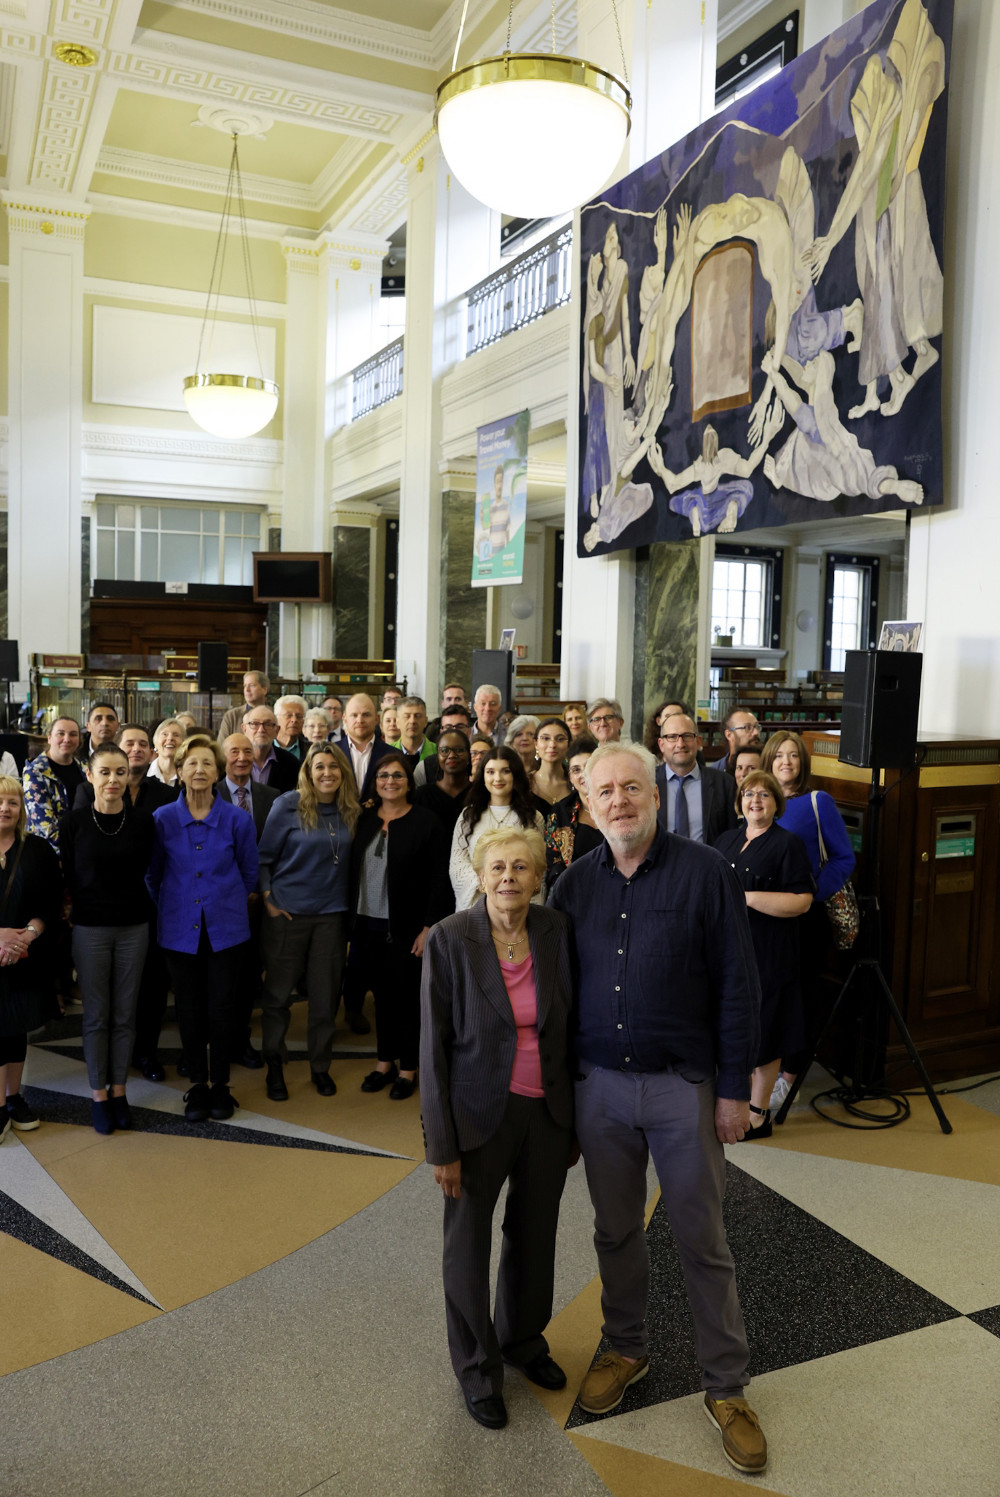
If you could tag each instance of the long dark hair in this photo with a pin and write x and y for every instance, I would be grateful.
(477, 797)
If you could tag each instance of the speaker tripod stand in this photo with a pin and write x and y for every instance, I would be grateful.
(866, 986)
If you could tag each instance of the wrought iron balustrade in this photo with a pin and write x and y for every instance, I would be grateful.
(521, 292)
(377, 380)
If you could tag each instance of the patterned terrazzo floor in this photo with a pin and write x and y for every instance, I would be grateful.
(255, 1308)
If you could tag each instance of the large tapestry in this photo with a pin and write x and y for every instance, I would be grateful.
(762, 304)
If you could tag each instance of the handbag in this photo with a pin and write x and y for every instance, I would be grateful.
(842, 906)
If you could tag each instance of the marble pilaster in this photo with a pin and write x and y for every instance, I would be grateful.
(464, 609)
(352, 581)
(667, 625)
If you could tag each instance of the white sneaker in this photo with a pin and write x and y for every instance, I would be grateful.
(781, 1090)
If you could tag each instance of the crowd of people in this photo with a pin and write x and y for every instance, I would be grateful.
(536, 908)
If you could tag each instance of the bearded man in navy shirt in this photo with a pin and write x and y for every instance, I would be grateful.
(668, 1006)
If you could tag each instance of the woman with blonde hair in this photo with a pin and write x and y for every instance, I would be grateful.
(305, 882)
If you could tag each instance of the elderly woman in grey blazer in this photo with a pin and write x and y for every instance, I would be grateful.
(497, 1099)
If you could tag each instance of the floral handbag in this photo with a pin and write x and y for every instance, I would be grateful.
(841, 907)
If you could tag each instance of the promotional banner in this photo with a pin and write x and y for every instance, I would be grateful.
(501, 501)
(762, 303)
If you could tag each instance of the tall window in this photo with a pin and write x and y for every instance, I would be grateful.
(851, 607)
(746, 595)
(176, 543)
(758, 61)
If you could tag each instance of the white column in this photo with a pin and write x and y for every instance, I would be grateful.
(448, 249)
(353, 266)
(952, 564)
(671, 53)
(46, 407)
(305, 628)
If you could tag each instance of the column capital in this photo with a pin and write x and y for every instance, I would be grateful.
(31, 214)
(354, 250)
(302, 256)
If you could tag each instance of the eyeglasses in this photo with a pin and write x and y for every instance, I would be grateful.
(390, 779)
(679, 738)
(452, 753)
(750, 727)
(260, 723)
(607, 718)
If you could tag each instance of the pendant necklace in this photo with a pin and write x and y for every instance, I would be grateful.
(121, 822)
(510, 945)
(500, 820)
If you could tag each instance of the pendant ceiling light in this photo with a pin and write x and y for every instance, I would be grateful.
(230, 405)
(532, 134)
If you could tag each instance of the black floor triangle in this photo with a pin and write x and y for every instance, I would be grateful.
(806, 1292)
(17, 1221)
(61, 1107)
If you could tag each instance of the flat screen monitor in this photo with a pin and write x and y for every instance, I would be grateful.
(292, 576)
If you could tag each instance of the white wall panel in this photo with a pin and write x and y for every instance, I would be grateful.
(142, 358)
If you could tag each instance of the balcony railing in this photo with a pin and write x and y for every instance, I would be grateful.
(522, 291)
(377, 380)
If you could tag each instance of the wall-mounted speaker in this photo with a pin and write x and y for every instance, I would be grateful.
(9, 668)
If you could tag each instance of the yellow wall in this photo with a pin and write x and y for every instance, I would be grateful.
(157, 254)
(4, 342)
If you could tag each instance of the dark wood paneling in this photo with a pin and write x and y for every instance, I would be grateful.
(143, 626)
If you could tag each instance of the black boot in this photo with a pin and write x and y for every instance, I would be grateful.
(276, 1088)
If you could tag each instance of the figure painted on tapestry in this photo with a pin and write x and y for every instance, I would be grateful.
(759, 316)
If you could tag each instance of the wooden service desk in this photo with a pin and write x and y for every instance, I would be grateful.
(938, 887)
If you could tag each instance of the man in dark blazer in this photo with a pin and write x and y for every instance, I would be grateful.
(361, 744)
(272, 765)
(693, 803)
(237, 787)
(474, 1123)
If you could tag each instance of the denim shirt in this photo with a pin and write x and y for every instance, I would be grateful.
(665, 970)
(202, 870)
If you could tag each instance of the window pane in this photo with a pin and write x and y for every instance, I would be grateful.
(210, 521)
(149, 568)
(210, 558)
(233, 574)
(150, 517)
(179, 558)
(251, 531)
(174, 518)
(105, 514)
(234, 523)
(126, 556)
(106, 554)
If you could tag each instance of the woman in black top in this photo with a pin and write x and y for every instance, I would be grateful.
(106, 849)
(570, 830)
(30, 891)
(399, 889)
(773, 867)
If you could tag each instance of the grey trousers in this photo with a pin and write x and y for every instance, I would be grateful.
(313, 946)
(531, 1152)
(622, 1118)
(108, 961)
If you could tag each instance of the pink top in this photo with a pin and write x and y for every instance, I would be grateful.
(519, 980)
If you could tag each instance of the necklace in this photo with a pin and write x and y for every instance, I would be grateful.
(121, 823)
(500, 820)
(334, 837)
(510, 945)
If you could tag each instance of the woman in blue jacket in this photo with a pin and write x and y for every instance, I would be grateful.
(786, 757)
(204, 865)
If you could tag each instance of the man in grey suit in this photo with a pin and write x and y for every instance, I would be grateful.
(692, 803)
(497, 1102)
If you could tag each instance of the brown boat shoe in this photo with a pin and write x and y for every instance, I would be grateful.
(742, 1437)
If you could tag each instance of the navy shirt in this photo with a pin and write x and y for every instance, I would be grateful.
(666, 975)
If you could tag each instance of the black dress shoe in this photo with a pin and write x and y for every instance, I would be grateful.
(151, 1066)
(359, 1024)
(249, 1058)
(543, 1371)
(324, 1083)
(122, 1113)
(402, 1089)
(197, 1101)
(102, 1116)
(276, 1088)
(491, 1413)
(375, 1081)
(222, 1104)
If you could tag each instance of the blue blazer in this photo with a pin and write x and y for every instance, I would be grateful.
(202, 870)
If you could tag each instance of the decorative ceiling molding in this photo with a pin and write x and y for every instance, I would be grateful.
(67, 96)
(164, 171)
(171, 296)
(536, 35)
(183, 218)
(21, 44)
(82, 21)
(8, 77)
(737, 16)
(143, 442)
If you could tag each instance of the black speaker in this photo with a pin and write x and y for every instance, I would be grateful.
(213, 666)
(8, 660)
(494, 668)
(878, 724)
